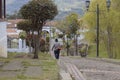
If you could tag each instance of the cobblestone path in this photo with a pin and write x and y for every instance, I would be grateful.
(95, 69)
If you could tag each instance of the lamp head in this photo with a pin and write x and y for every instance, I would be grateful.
(87, 4)
(108, 3)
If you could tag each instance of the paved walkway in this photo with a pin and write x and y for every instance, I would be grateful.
(33, 71)
(21, 68)
(94, 69)
(13, 65)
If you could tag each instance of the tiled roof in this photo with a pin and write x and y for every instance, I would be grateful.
(13, 36)
(15, 21)
(11, 28)
(11, 31)
(12, 23)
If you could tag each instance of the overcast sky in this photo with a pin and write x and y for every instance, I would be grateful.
(63, 5)
(9, 1)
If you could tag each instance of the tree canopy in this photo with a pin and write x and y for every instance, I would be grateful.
(70, 24)
(25, 25)
(38, 12)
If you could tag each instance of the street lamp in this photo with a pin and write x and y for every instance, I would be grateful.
(108, 3)
(87, 4)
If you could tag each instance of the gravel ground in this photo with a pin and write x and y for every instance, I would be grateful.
(96, 69)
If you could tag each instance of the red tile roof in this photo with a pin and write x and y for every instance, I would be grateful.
(11, 31)
(15, 21)
(11, 23)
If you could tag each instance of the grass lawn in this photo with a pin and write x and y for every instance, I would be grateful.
(102, 52)
(48, 65)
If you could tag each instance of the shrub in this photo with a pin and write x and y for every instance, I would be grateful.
(47, 39)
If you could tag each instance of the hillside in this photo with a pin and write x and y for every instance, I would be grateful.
(64, 6)
(15, 5)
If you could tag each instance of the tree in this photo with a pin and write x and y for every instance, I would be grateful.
(72, 22)
(38, 12)
(114, 16)
(90, 18)
(26, 26)
(73, 26)
(70, 26)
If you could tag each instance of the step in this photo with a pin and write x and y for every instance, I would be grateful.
(74, 71)
(64, 75)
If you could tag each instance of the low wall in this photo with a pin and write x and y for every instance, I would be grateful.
(18, 50)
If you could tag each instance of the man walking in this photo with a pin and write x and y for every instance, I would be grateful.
(56, 48)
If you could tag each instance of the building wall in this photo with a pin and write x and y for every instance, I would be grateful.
(3, 33)
(3, 40)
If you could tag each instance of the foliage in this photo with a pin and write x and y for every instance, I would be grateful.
(42, 45)
(47, 39)
(42, 42)
(60, 35)
(53, 31)
(22, 35)
(72, 23)
(92, 51)
(25, 25)
(39, 11)
(109, 26)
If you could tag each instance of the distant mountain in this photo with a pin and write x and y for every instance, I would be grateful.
(64, 6)
(14, 5)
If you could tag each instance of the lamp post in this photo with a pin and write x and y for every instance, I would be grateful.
(108, 3)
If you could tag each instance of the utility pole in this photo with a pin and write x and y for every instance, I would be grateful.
(97, 11)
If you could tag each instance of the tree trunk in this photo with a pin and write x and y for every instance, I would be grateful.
(67, 47)
(29, 40)
(76, 45)
(37, 44)
(30, 50)
(36, 47)
(109, 46)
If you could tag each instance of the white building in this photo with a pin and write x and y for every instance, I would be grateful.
(3, 34)
(15, 44)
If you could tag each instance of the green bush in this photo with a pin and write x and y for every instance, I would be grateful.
(47, 39)
(60, 35)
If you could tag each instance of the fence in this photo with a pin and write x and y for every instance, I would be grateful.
(18, 46)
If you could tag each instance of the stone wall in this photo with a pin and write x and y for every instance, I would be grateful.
(3, 40)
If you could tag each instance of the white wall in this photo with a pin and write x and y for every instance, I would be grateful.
(3, 39)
